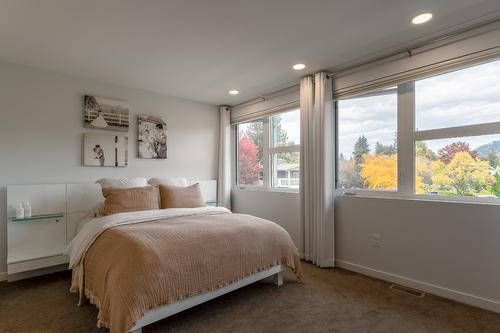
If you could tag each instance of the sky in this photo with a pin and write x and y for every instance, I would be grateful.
(464, 97)
(290, 123)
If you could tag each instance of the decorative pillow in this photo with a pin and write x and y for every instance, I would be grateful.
(121, 200)
(181, 197)
(179, 182)
(122, 182)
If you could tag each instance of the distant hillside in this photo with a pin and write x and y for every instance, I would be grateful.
(484, 150)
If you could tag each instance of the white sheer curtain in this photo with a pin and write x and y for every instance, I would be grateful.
(224, 178)
(317, 168)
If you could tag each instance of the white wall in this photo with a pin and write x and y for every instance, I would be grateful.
(446, 248)
(41, 127)
(433, 245)
(279, 207)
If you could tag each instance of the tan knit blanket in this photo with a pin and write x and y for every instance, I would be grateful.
(130, 269)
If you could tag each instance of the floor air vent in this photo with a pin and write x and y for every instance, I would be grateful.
(406, 290)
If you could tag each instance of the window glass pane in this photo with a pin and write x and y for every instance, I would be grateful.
(285, 170)
(464, 97)
(285, 129)
(250, 141)
(367, 129)
(467, 166)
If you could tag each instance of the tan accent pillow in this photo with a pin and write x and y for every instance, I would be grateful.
(121, 200)
(181, 197)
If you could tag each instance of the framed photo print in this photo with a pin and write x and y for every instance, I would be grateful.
(105, 113)
(152, 137)
(103, 150)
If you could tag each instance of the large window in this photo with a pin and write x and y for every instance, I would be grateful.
(367, 141)
(458, 147)
(448, 136)
(268, 151)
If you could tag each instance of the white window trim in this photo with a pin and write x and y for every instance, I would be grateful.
(407, 136)
(267, 150)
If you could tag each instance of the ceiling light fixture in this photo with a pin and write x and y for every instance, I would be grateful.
(422, 18)
(299, 67)
(234, 92)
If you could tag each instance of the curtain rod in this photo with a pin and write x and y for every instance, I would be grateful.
(409, 49)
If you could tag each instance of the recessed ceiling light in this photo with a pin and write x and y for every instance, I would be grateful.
(422, 18)
(234, 92)
(299, 67)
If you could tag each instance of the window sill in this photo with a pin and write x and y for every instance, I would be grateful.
(266, 189)
(419, 197)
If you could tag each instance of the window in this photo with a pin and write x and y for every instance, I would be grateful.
(458, 147)
(438, 136)
(367, 141)
(269, 151)
(465, 97)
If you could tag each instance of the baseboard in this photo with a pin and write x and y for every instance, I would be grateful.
(37, 272)
(458, 296)
(3, 276)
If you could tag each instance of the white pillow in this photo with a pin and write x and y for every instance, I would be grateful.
(179, 182)
(122, 182)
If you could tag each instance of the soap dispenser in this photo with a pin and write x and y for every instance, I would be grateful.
(20, 211)
(27, 209)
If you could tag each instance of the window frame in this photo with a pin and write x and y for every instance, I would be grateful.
(407, 136)
(364, 191)
(267, 151)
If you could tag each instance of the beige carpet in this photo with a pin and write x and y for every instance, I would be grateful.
(327, 301)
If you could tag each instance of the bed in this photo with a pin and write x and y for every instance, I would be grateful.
(140, 267)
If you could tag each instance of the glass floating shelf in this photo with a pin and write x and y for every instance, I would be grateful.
(37, 217)
(212, 202)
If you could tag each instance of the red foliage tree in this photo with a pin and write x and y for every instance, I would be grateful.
(447, 153)
(248, 160)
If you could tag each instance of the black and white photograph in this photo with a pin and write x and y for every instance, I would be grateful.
(103, 150)
(106, 113)
(152, 137)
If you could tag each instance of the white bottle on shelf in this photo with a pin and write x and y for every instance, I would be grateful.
(27, 209)
(20, 211)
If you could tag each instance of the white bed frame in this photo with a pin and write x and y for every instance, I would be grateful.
(168, 310)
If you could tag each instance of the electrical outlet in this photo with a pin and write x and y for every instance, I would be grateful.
(376, 240)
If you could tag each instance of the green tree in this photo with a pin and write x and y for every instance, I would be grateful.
(421, 150)
(361, 148)
(493, 158)
(381, 149)
(278, 133)
(280, 138)
(495, 189)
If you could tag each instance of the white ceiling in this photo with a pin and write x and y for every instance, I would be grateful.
(200, 49)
